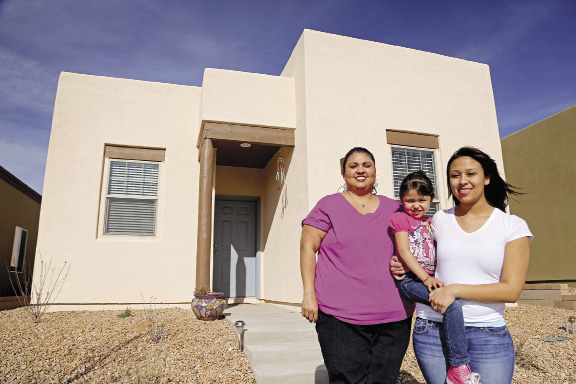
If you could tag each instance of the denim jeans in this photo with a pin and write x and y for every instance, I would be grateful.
(362, 353)
(491, 352)
(413, 289)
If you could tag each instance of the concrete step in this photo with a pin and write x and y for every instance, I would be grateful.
(296, 352)
(280, 344)
(295, 373)
(281, 336)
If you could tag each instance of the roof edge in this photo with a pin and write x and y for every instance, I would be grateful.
(19, 185)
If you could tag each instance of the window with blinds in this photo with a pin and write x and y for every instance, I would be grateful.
(19, 250)
(132, 198)
(407, 160)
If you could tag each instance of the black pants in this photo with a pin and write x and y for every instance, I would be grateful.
(366, 354)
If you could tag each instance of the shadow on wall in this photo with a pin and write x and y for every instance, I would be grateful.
(272, 202)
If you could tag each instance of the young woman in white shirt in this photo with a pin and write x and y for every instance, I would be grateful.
(482, 257)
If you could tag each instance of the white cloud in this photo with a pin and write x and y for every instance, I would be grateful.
(25, 83)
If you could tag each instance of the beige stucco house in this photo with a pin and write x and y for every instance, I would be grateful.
(19, 216)
(159, 188)
(540, 159)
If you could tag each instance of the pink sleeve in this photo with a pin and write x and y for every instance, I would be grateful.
(399, 222)
(318, 217)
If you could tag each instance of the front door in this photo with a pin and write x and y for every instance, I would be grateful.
(235, 247)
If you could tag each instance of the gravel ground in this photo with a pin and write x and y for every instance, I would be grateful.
(99, 347)
(537, 361)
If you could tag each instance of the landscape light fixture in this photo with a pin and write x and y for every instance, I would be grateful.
(240, 329)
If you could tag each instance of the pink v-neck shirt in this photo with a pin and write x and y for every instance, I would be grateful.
(353, 281)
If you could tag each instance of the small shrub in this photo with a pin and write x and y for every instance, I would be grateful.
(525, 356)
(203, 290)
(125, 314)
(157, 329)
(37, 295)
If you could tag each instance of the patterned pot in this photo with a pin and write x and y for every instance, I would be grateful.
(209, 307)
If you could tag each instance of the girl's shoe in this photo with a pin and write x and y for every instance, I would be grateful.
(462, 375)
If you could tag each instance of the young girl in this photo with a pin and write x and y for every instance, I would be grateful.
(415, 246)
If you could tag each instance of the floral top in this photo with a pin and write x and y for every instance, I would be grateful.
(420, 236)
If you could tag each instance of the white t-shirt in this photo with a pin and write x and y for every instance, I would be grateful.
(473, 258)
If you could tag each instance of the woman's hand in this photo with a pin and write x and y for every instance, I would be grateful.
(441, 298)
(310, 308)
(432, 283)
(397, 268)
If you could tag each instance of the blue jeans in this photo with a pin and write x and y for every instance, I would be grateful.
(413, 289)
(364, 354)
(491, 352)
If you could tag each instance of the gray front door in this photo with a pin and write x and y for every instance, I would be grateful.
(235, 248)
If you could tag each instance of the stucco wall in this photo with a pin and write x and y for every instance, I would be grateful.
(540, 161)
(89, 112)
(356, 89)
(282, 240)
(16, 209)
(348, 92)
(247, 98)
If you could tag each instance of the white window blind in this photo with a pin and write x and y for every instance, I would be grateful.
(132, 197)
(408, 160)
(19, 249)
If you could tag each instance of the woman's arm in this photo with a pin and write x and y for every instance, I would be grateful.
(508, 290)
(309, 245)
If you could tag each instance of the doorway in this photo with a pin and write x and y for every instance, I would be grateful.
(235, 250)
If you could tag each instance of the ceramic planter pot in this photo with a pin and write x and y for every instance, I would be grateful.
(209, 306)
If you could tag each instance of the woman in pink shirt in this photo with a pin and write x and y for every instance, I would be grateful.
(362, 322)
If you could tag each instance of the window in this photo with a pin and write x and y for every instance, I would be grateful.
(19, 250)
(406, 160)
(132, 198)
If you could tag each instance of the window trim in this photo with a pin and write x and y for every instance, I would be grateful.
(437, 177)
(19, 251)
(125, 153)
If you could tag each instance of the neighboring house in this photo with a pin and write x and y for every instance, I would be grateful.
(541, 161)
(19, 216)
(159, 188)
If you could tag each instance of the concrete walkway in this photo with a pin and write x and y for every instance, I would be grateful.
(280, 344)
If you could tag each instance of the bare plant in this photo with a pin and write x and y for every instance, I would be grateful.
(157, 329)
(525, 356)
(37, 295)
(203, 290)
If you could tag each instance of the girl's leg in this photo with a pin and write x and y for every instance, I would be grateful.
(453, 321)
(492, 354)
(455, 335)
(430, 349)
(413, 289)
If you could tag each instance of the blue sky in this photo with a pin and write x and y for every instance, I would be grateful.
(530, 47)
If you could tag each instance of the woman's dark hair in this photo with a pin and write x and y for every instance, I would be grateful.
(497, 191)
(353, 151)
(418, 181)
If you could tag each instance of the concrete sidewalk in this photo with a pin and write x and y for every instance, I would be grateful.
(280, 344)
